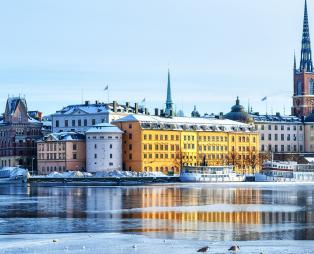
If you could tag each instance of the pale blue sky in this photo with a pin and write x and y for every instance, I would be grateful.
(216, 49)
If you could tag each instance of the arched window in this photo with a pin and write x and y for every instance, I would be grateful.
(311, 87)
(299, 88)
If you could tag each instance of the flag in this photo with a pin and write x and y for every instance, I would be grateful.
(143, 101)
(264, 99)
(106, 88)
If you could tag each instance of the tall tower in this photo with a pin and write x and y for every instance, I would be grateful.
(169, 104)
(303, 88)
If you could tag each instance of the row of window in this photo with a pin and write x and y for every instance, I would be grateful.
(79, 122)
(276, 127)
(276, 137)
(200, 138)
(311, 87)
(283, 148)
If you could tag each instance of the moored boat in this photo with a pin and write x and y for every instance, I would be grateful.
(285, 171)
(212, 174)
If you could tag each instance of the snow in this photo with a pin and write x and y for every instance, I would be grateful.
(114, 174)
(14, 172)
(104, 128)
(69, 174)
(115, 243)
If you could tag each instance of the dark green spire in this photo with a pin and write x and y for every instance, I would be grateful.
(306, 53)
(169, 103)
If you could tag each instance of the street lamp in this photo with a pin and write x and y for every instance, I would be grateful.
(33, 158)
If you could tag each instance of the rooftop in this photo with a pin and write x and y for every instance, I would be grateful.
(64, 136)
(275, 118)
(186, 123)
(104, 128)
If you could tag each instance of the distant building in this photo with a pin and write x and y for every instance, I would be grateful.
(19, 133)
(154, 143)
(103, 148)
(303, 85)
(81, 117)
(280, 134)
(195, 113)
(61, 152)
(309, 133)
(238, 113)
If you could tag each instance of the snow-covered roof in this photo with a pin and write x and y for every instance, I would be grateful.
(275, 118)
(104, 128)
(64, 136)
(186, 123)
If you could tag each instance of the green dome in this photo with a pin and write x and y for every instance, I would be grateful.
(238, 113)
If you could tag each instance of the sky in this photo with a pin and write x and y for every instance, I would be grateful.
(58, 52)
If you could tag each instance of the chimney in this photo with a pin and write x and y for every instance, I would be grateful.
(96, 102)
(146, 111)
(277, 113)
(156, 111)
(221, 115)
(136, 108)
(127, 104)
(162, 112)
(114, 106)
(86, 103)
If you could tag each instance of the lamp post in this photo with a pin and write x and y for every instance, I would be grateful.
(33, 158)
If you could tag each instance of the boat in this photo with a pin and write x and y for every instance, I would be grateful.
(285, 171)
(212, 174)
(15, 175)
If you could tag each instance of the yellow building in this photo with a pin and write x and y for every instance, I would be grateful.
(154, 143)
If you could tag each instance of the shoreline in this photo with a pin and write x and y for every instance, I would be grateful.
(116, 243)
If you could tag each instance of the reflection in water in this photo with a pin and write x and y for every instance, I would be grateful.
(174, 211)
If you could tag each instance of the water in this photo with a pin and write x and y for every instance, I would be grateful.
(181, 211)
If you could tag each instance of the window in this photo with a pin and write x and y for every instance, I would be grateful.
(299, 88)
(269, 127)
(269, 136)
(85, 122)
(311, 87)
(73, 122)
(282, 137)
(130, 126)
(95, 155)
(57, 123)
(95, 146)
(66, 123)
(74, 156)
(111, 156)
(79, 123)
(130, 135)
(74, 147)
(93, 121)
(110, 146)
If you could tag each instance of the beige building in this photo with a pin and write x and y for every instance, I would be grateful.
(309, 133)
(61, 152)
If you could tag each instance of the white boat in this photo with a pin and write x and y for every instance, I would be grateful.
(285, 171)
(214, 174)
(10, 175)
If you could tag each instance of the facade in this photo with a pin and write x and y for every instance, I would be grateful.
(61, 152)
(280, 134)
(309, 133)
(303, 86)
(81, 117)
(103, 148)
(155, 143)
(18, 135)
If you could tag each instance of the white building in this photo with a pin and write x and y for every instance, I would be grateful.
(103, 148)
(81, 117)
(280, 134)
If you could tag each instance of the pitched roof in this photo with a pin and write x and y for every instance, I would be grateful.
(104, 128)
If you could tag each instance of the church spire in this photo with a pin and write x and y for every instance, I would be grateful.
(169, 103)
(294, 62)
(306, 53)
